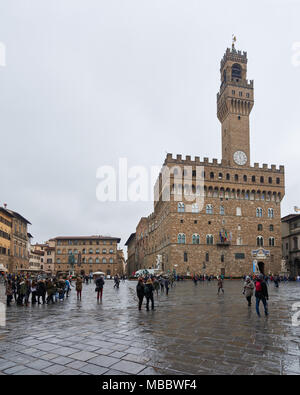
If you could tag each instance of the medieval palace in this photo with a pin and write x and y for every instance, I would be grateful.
(236, 229)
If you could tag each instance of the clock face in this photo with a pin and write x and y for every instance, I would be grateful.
(240, 158)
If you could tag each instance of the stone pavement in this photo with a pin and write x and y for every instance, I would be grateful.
(192, 331)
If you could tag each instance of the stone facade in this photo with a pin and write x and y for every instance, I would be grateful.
(16, 257)
(217, 217)
(290, 228)
(90, 254)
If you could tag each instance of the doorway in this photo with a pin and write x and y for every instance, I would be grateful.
(261, 267)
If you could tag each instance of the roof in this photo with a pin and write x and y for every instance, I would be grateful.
(290, 217)
(30, 235)
(87, 238)
(17, 215)
(130, 238)
(3, 210)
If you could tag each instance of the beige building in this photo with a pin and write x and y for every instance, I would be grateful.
(86, 254)
(215, 216)
(14, 253)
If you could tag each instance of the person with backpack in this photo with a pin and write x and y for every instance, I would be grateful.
(99, 287)
(149, 294)
(261, 294)
(248, 289)
(140, 291)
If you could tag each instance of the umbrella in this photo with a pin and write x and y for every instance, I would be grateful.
(98, 274)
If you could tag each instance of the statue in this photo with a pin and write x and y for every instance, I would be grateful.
(158, 262)
(283, 266)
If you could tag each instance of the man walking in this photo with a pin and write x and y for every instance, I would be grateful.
(149, 294)
(99, 288)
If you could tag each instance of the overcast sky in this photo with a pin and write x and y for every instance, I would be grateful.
(89, 81)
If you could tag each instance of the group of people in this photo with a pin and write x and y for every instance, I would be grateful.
(147, 286)
(23, 289)
(259, 285)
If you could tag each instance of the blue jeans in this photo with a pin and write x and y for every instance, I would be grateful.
(264, 301)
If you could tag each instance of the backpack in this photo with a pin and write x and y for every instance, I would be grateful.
(258, 286)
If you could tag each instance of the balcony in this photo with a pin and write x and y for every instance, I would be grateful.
(223, 243)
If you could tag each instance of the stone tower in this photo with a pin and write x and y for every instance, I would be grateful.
(234, 102)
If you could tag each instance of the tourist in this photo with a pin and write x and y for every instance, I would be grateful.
(41, 291)
(117, 281)
(220, 284)
(51, 290)
(248, 289)
(33, 292)
(149, 294)
(140, 291)
(99, 287)
(9, 292)
(79, 287)
(162, 284)
(167, 282)
(67, 287)
(261, 294)
(156, 285)
(27, 291)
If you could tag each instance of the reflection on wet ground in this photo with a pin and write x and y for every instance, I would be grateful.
(191, 331)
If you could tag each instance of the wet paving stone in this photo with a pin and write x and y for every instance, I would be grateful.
(192, 331)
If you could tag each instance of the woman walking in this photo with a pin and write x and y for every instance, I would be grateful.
(248, 289)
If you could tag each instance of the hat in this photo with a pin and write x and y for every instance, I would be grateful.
(149, 281)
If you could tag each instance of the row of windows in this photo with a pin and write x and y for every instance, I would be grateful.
(210, 210)
(84, 251)
(181, 239)
(236, 177)
(90, 260)
(5, 221)
(4, 235)
(76, 242)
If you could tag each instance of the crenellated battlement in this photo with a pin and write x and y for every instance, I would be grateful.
(234, 56)
(189, 161)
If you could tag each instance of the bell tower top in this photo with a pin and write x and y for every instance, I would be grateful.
(234, 104)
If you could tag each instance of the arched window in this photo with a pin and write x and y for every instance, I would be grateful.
(238, 211)
(259, 241)
(271, 241)
(196, 239)
(90, 260)
(259, 212)
(104, 260)
(209, 209)
(259, 227)
(181, 238)
(271, 228)
(111, 260)
(270, 213)
(195, 208)
(236, 71)
(209, 239)
(180, 207)
(104, 251)
(239, 241)
(245, 178)
(90, 251)
(212, 175)
(222, 210)
(97, 260)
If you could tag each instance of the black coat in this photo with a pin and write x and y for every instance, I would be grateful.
(140, 290)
